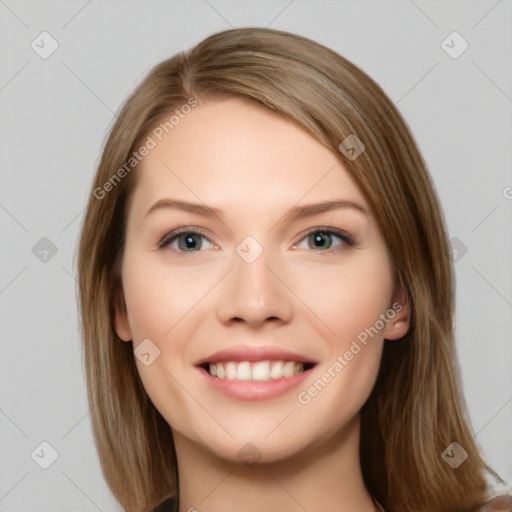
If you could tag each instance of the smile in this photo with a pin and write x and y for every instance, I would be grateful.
(247, 372)
(256, 371)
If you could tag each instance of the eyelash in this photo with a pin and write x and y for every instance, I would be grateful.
(173, 235)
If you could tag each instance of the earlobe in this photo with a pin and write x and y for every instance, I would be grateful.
(122, 326)
(399, 323)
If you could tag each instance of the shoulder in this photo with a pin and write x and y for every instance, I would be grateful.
(502, 503)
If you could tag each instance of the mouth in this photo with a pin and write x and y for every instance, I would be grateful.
(254, 373)
(260, 371)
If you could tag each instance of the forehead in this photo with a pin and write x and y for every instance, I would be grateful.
(233, 152)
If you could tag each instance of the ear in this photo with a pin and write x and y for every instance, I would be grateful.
(399, 323)
(122, 325)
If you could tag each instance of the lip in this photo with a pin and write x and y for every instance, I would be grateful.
(251, 389)
(253, 354)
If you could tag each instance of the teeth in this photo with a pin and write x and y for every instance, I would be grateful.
(277, 370)
(221, 373)
(244, 371)
(289, 368)
(260, 371)
(231, 371)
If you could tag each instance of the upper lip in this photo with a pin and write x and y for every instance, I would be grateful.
(254, 354)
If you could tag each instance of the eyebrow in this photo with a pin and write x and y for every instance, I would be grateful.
(295, 213)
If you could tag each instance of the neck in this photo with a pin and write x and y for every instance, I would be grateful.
(324, 476)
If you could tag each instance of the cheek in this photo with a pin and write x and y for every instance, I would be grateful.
(163, 303)
(157, 303)
(351, 303)
(147, 301)
(158, 297)
(350, 297)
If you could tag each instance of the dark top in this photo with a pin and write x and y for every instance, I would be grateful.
(502, 503)
(169, 505)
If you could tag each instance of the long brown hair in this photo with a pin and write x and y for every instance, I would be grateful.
(416, 409)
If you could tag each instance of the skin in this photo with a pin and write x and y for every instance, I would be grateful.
(237, 156)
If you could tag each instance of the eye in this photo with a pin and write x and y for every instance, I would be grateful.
(185, 240)
(322, 239)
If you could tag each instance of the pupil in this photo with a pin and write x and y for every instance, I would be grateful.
(189, 241)
(321, 237)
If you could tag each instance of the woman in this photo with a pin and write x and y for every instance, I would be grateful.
(235, 361)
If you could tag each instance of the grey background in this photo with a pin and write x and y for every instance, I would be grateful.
(55, 113)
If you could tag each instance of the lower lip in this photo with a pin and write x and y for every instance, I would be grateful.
(254, 390)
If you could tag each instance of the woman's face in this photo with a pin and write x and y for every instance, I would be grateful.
(289, 305)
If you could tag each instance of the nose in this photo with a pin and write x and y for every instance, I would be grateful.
(254, 293)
